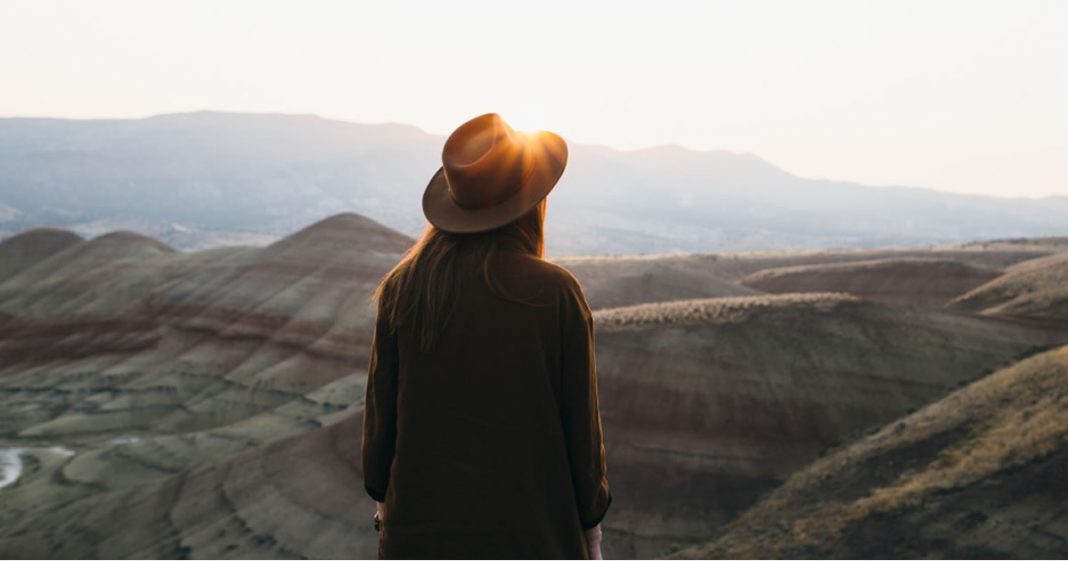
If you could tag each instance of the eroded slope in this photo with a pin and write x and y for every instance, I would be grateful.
(982, 473)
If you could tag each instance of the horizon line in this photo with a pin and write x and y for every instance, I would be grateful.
(661, 146)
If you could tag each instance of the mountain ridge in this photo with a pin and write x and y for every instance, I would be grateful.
(252, 176)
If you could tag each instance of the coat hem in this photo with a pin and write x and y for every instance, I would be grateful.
(374, 493)
(600, 518)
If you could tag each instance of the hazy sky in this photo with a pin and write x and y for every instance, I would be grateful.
(964, 96)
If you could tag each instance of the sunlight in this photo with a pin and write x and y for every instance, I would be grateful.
(525, 120)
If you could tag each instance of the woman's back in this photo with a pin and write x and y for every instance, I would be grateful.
(490, 444)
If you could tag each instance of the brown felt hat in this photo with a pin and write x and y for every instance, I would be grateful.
(491, 175)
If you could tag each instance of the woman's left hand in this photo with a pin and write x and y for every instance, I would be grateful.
(380, 511)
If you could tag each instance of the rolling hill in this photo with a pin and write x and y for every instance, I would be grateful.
(981, 473)
(26, 249)
(208, 403)
(620, 280)
(916, 281)
(719, 400)
(1033, 288)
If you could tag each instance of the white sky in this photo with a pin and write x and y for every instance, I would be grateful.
(962, 96)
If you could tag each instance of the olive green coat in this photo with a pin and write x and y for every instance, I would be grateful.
(490, 445)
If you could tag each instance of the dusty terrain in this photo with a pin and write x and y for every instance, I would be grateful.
(928, 282)
(719, 400)
(150, 364)
(155, 403)
(982, 473)
(1033, 288)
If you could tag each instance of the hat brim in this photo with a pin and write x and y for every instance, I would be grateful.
(550, 159)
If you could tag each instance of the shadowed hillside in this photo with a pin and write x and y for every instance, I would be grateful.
(145, 363)
(629, 279)
(208, 404)
(719, 400)
(82, 256)
(25, 250)
(620, 280)
(982, 473)
(1032, 288)
(910, 281)
(297, 497)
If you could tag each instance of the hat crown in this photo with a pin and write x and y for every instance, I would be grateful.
(485, 161)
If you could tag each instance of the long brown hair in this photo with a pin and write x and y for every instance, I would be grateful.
(421, 287)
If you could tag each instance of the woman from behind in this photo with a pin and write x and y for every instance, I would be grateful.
(482, 435)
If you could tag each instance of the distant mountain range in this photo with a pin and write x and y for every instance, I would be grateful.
(200, 180)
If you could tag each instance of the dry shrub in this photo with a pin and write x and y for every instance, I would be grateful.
(714, 310)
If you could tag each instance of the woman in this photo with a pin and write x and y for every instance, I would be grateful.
(482, 436)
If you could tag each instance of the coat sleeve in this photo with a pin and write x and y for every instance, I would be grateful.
(580, 412)
(380, 411)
